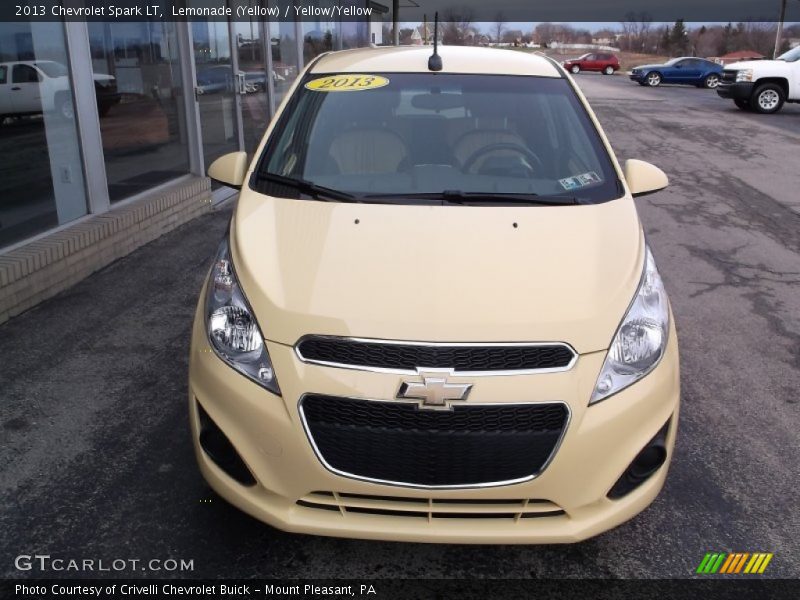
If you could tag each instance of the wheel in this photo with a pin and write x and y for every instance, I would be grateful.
(575, 69)
(711, 81)
(653, 79)
(65, 108)
(768, 98)
(742, 104)
(609, 70)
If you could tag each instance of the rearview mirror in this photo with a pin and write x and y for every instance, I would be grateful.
(229, 169)
(437, 102)
(644, 178)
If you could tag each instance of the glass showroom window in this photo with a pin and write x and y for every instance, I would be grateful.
(250, 46)
(41, 179)
(283, 42)
(319, 36)
(138, 81)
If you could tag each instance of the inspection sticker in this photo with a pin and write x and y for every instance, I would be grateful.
(579, 181)
(352, 82)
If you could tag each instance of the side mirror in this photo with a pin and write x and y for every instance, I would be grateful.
(644, 178)
(229, 169)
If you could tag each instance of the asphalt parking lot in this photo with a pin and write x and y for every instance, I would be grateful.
(96, 459)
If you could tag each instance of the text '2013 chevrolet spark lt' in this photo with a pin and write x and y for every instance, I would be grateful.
(435, 316)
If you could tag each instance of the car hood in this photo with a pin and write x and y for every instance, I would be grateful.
(104, 78)
(644, 67)
(438, 273)
(750, 64)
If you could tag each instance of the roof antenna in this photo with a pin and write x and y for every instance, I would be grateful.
(435, 61)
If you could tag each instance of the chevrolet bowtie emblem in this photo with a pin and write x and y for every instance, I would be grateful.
(433, 391)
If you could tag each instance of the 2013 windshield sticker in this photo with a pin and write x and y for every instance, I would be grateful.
(579, 181)
(347, 83)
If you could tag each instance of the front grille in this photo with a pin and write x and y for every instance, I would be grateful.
(430, 508)
(408, 357)
(728, 76)
(399, 443)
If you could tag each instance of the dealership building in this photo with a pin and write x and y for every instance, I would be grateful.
(107, 129)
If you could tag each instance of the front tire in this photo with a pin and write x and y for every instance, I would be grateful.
(609, 70)
(742, 104)
(711, 81)
(653, 79)
(575, 69)
(768, 99)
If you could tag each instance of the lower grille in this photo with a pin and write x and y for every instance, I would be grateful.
(430, 508)
(398, 443)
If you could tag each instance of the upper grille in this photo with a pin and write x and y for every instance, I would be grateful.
(396, 442)
(729, 76)
(408, 357)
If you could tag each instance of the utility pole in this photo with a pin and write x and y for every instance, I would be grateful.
(779, 36)
(396, 22)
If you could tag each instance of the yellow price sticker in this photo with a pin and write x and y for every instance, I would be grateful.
(347, 83)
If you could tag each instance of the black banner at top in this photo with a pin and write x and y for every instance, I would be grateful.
(476, 11)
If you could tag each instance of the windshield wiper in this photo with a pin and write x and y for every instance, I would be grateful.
(318, 192)
(489, 198)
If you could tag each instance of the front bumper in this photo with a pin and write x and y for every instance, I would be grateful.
(292, 483)
(638, 77)
(742, 90)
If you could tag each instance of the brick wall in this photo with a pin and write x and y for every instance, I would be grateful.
(43, 268)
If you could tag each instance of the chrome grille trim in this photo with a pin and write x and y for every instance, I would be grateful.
(495, 373)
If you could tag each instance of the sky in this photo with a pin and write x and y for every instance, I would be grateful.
(528, 26)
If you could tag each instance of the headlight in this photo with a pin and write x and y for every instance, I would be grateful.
(744, 75)
(231, 325)
(640, 340)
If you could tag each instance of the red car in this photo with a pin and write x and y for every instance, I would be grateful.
(594, 61)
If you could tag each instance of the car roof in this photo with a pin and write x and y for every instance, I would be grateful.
(455, 59)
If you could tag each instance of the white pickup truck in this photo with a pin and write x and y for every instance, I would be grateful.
(32, 87)
(763, 85)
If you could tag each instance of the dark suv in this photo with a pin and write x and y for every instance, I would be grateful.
(595, 61)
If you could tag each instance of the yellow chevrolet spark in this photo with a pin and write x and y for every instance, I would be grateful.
(435, 316)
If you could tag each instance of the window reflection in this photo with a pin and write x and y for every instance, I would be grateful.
(137, 81)
(41, 178)
(250, 45)
(283, 43)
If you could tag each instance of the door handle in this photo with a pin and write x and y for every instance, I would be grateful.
(16, 88)
(241, 83)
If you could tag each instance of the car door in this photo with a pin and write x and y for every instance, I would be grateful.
(6, 106)
(590, 63)
(794, 80)
(694, 71)
(25, 89)
(688, 71)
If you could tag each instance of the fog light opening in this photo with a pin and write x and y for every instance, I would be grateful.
(219, 449)
(649, 460)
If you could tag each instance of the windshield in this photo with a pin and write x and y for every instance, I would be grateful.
(52, 69)
(791, 56)
(409, 134)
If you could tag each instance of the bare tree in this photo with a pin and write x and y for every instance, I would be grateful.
(499, 27)
(636, 31)
(456, 27)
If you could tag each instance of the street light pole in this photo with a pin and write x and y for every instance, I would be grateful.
(780, 30)
(396, 22)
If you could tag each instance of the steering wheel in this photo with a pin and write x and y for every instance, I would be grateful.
(521, 150)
